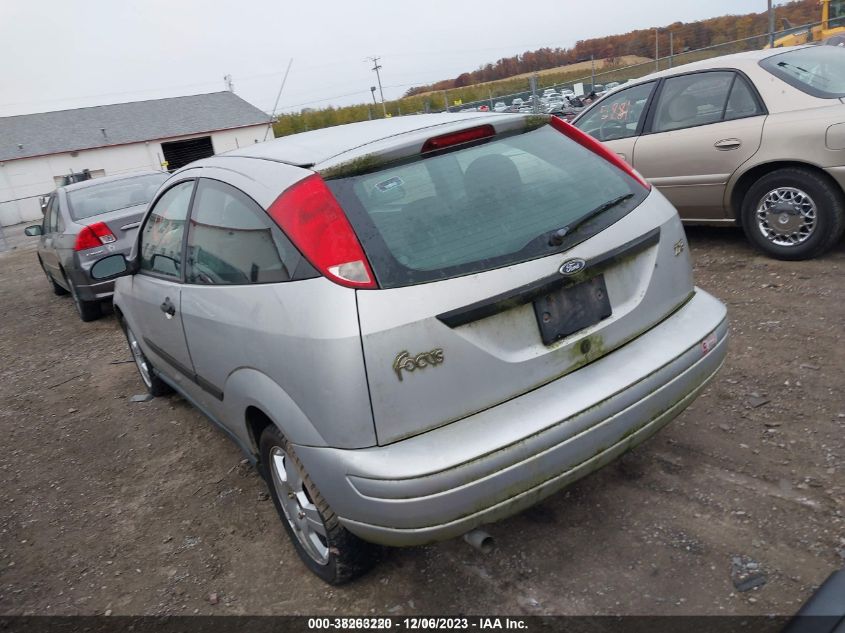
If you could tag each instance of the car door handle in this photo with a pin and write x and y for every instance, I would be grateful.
(168, 308)
(728, 144)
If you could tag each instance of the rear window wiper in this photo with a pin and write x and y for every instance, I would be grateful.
(556, 238)
(821, 78)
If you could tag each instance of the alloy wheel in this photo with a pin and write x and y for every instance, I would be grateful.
(299, 509)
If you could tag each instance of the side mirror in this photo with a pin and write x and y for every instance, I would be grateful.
(110, 267)
(165, 265)
(33, 230)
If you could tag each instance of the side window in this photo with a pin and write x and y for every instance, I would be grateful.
(161, 237)
(232, 240)
(692, 100)
(742, 102)
(617, 116)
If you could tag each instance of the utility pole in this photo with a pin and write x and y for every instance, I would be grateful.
(593, 69)
(671, 48)
(532, 81)
(446, 100)
(229, 85)
(376, 68)
(656, 49)
(771, 25)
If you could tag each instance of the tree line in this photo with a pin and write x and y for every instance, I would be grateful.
(497, 79)
(686, 36)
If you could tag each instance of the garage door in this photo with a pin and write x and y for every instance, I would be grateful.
(180, 153)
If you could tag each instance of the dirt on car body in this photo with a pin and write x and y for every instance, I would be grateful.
(737, 507)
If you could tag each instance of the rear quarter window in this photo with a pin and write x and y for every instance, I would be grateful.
(817, 70)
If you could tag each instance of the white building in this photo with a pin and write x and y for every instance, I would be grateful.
(39, 151)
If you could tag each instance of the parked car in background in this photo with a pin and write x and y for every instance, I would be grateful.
(503, 308)
(82, 222)
(500, 106)
(755, 139)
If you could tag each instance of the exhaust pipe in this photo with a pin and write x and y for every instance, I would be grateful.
(480, 540)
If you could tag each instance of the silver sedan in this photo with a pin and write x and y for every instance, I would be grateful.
(82, 222)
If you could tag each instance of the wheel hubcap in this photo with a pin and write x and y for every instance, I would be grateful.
(140, 359)
(299, 509)
(786, 216)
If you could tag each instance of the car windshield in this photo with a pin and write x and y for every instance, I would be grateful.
(817, 70)
(482, 207)
(97, 199)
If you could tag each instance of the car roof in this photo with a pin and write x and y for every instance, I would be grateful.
(94, 182)
(318, 146)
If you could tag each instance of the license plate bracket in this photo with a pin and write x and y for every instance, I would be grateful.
(570, 309)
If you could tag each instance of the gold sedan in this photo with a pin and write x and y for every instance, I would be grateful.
(756, 138)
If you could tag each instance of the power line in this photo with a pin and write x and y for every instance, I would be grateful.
(278, 96)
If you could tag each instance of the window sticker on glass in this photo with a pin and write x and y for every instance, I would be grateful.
(390, 183)
(617, 111)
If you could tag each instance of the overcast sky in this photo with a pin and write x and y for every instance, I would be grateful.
(61, 54)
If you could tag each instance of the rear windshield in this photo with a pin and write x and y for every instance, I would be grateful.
(113, 195)
(482, 207)
(818, 70)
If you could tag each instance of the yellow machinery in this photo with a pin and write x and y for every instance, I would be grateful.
(832, 23)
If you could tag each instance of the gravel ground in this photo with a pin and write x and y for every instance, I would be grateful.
(113, 506)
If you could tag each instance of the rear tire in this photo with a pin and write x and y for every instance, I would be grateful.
(155, 385)
(57, 289)
(328, 549)
(793, 213)
(87, 310)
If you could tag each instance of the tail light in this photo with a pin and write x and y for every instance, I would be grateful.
(312, 218)
(587, 141)
(458, 138)
(94, 235)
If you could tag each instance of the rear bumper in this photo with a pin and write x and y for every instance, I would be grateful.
(88, 290)
(500, 461)
(79, 271)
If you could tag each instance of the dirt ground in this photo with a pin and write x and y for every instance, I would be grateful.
(144, 508)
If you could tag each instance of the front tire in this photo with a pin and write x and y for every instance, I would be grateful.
(793, 213)
(327, 548)
(155, 385)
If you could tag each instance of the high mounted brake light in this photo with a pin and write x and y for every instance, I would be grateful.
(312, 218)
(587, 141)
(93, 235)
(458, 138)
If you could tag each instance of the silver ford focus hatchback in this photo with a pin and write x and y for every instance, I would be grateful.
(419, 325)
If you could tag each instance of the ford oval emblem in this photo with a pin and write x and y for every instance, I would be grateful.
(572, 266)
